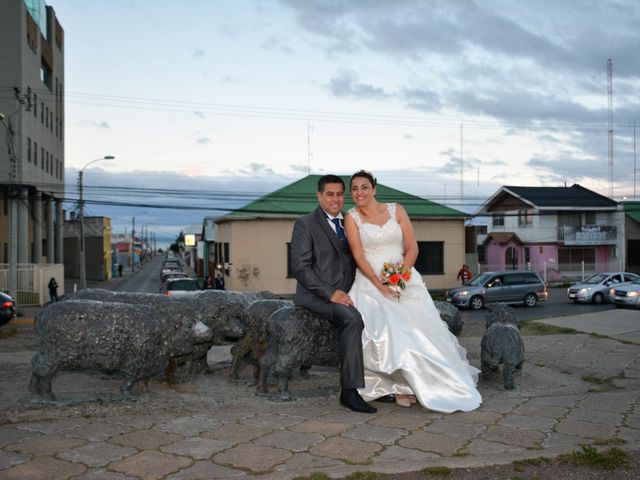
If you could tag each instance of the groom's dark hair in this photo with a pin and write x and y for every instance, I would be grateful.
(329, 179)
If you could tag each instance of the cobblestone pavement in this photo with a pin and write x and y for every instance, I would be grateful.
(575, 389)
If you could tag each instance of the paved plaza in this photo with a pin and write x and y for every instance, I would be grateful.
(575, 389)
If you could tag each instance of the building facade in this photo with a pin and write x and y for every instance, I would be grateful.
(252, 243)
(98, 248)
(32, 104)
(561, 232)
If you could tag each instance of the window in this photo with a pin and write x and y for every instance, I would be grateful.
(29, 149)
(35, 105)
(482, 254)
(430, 259)
(498, 219)
(576, 255)
(289, 263)
(525, 218)
(527, 255)
(42, 113)
(46, 117)
(225, 247)
(590, 218)
(35, 153)
(45, 74)
(42, 157)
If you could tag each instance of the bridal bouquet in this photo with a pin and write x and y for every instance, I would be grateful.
(396, 275)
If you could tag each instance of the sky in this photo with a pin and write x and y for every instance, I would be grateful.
(206, 104)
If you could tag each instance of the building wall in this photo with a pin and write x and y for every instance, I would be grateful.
(258, 252)
(26, 44)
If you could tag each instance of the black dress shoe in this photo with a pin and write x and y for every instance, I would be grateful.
(352, 400)
(386, 398)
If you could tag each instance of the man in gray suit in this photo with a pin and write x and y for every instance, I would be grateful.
(325, 270)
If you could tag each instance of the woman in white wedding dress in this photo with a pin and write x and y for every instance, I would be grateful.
(408, 350)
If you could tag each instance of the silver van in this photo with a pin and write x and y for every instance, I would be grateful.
(507, 286)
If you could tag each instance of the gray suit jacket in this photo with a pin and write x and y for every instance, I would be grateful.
(320, 263)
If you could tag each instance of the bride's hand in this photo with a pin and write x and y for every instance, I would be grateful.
(387, 291)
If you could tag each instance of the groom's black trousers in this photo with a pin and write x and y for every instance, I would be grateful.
(348, 322)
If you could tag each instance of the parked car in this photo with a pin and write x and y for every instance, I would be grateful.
(596, 288)
(508, 286)
(166, 274)
(180, 287)
(7, 308)
(626, 295)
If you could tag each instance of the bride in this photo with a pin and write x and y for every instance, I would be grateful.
(408, 350)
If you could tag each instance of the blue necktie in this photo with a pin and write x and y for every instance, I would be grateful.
(340, 232)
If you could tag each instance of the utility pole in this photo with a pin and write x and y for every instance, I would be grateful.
(13, 209)
(634, 160)
(133, 239)
(610, 117)
(461, 167)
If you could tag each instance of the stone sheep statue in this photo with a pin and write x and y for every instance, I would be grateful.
(223, 311)
(501, 344)
(296, 337)
(254, 342)
(451, 316)
(133, 340)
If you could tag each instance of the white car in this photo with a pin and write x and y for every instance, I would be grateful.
(596, 288)
(627, 295)
(180, 287)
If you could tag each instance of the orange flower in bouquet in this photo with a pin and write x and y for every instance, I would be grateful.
(395, 275)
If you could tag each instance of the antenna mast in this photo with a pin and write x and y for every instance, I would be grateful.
(610, 101)
(461, 166)
(309, 154)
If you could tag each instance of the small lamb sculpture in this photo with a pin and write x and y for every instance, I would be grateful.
(296, 337)
(501, 343)
(451, 316)
(254, 342)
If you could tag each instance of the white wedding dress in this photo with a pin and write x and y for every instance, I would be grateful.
(407, 348)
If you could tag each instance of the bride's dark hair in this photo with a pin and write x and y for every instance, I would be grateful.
(363, 174)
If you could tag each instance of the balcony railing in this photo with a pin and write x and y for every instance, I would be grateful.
(587, 235)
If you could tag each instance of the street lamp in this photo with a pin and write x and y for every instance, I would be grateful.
(133, 239)
(83, 266)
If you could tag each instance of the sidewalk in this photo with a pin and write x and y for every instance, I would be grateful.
(575, 389)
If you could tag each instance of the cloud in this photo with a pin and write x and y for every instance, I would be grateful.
(199, 53)
(299, 168)
(275, 44)
(346, 85)
(423, 100)
(96, 124)
(203, 140)
(198, 114)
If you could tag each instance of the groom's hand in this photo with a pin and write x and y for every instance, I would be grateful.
(341, 297)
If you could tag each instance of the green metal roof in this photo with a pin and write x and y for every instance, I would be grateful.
(632, 210)
(299, 198)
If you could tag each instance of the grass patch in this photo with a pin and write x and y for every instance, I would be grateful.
(535, 328)
(461, 454)
(609, 459)
(8, 332)
(348, 461)
(437, 471)
(520, 465)
(363, 476)
(606, 382)
(597, 335)
(609, 441)
(314, 476)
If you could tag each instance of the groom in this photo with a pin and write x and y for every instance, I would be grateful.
(325, 270)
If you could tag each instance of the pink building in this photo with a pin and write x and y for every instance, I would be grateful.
(558, 231)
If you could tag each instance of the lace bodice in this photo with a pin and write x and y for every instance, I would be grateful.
(380, 243)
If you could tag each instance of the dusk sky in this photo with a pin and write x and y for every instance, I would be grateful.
(199, 98)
